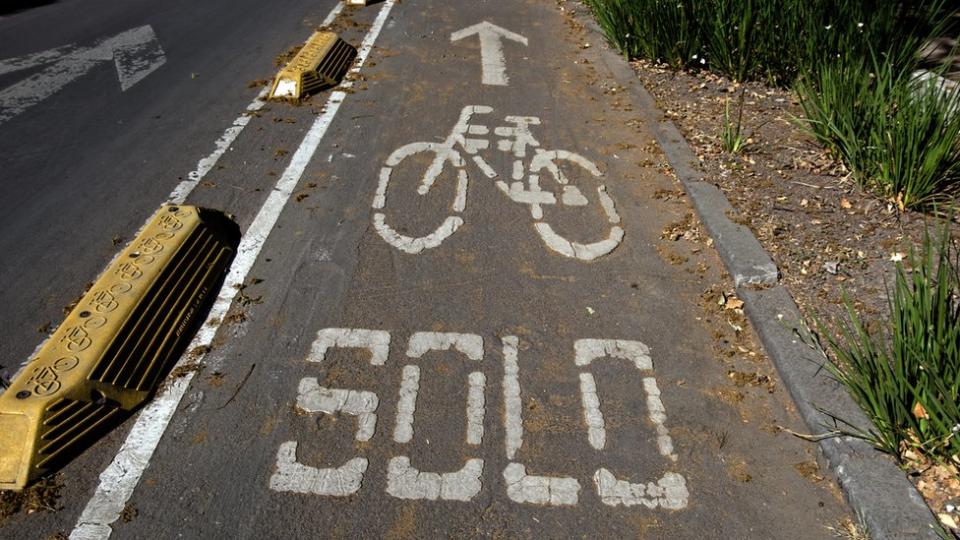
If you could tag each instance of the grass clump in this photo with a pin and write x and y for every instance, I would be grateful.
(904, 371)
(661, 30)
(731, 136)
(770, 40)
(852, 64)
(899, 135)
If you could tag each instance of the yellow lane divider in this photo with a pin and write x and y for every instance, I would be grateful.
(116, 344)
(322, 62)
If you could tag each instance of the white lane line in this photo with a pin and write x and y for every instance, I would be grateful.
(205, 165)
(328, 20)
(183, 189)
(121, 477)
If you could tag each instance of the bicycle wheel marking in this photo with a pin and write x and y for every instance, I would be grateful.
(413, 245)
(584, 252)
(515, 139)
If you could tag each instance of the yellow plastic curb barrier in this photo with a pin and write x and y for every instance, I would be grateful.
(118, 341)
(322, 62)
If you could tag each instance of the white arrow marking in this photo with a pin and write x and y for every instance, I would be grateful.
(34, 59)
(136, 54)
(491, 49)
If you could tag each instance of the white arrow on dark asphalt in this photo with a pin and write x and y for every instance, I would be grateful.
(491, 49)
(136, 53)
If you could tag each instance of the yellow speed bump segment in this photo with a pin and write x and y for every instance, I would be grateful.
(322, 62)
(110, 353)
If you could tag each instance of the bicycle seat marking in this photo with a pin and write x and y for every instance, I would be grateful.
(514, 138)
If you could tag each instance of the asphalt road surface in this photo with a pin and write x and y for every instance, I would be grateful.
(459, 315)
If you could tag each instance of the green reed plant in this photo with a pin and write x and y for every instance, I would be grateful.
(731, 133)
(918, 145)
(851, 62)
(904, 372)
(770, 40)
(661, 30)
(899, 135)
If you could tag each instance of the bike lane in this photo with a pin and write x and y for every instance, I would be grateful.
(484, 358)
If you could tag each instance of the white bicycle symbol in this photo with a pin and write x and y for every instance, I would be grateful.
(516, 139)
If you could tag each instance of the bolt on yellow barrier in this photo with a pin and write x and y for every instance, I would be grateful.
(322, 62)
(110, 353)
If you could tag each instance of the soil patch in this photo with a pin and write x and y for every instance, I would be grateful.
(40, 497)
(828, 237)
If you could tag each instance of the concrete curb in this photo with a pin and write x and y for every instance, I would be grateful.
(744, 257)
(877, 490)
(879, 493)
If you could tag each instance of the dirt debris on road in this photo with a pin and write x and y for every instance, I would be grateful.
(829, 238)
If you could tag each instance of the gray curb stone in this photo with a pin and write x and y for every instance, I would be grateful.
(876, 489)
(878, 492)
(744, 257)
(741, 252)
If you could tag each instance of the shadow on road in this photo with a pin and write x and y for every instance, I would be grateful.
(13, 6)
